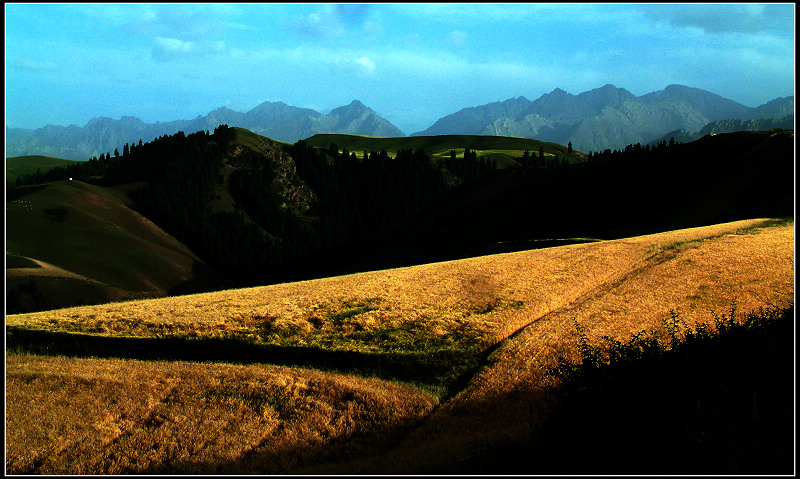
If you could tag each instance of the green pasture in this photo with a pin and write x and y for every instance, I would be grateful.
(17, 166)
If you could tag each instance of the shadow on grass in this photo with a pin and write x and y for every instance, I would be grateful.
(718, 403)
(441, 370)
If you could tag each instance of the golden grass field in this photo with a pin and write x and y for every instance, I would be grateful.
(75, 416)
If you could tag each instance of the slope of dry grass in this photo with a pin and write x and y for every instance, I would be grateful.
(681, 271)
(105, 416)
(520, 307)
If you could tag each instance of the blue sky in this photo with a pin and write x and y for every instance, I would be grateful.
(411, 63)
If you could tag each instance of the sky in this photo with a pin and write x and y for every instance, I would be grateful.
(411, 63)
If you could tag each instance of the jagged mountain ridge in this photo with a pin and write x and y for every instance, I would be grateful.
(606, 117)
(277, 120)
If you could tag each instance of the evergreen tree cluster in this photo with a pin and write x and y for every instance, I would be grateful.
(635, 152)
(540, 161)
(470, 167)
(356, 203)
(365, 200)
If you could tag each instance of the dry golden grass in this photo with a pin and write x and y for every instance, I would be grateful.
(612, 288)
(107, 416)
(678, 271)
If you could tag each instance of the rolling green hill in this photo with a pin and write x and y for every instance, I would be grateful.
(24, 165)
(69, 242)
(504, 149)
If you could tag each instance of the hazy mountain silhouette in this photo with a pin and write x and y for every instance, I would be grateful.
(604, 118)
(278, 121)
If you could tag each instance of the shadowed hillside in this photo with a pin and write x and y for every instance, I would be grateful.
(83, 244)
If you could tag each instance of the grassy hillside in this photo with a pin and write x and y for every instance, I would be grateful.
(23, 165)
(89, 246)
(405, 370)
(504, 149)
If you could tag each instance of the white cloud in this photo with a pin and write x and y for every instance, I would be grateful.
(722, 18)
(366, 63)
(338, 20)
(174, 45)
(457, 38)
(348, 66)
(32, 65)
(323, 23)
(166, 49)
(468, 13)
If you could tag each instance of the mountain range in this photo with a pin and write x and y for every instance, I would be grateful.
(277, 120)
(606, 117)
(595, 120)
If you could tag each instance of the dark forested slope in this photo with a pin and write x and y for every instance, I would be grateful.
(261, 212)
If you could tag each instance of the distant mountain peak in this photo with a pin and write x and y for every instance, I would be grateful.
(608, 87)
(222, 109)
(100, 120)
(355, 107)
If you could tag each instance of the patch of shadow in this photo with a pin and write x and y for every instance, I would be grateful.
(57, 214)
(204, 279)
(13, 261)
(513, 246)
(14, 194)
(436, 368)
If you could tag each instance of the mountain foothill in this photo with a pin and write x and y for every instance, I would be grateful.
(595, 120)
